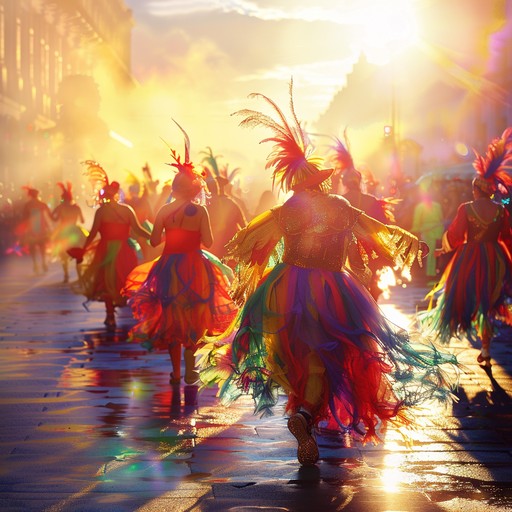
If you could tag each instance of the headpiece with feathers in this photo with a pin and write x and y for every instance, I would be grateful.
(340, 154)
(211, 161)
(216, 171)
(67, 190)
(493, 166)
(97, 176)
(294, 166)
(186, 167)
(31, 191)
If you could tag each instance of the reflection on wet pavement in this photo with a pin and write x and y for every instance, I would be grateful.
(90, 422)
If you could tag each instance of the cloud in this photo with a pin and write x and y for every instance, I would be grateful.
(169, 8)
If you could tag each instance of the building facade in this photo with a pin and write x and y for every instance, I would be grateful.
(43, 42)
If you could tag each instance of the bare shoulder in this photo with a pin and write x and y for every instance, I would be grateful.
(164, 210)
(125, 208)
(200, 209)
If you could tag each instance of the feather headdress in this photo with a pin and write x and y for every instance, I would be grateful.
(97, 176)
(186, 166)
(340, 154)
(67, 190)
(294, 166)
(196, 175)
(31, 191)
(217, 171)
(211, 161)
(495, 166)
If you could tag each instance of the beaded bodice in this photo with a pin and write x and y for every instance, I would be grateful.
(317, 229)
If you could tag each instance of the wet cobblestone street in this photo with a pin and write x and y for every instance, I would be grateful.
(89, 423)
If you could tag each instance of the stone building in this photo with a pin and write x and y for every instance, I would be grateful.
(51, 52)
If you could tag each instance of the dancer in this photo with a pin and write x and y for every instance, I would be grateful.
(226, 216)
(67, 233)
(380, 209)
(35, 228)
(308, 326)
(184, 293)
(141, 205)
(112, 258)
(475, 283)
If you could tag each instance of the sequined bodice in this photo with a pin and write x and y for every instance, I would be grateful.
(480, 230)
(317, 229)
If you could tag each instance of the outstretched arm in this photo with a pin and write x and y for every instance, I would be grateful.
(95, 227)
(136, 226)
(388, 241)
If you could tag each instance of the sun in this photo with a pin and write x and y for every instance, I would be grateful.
(387, 28)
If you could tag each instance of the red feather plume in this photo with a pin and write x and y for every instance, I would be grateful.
(291, 157)
(496, 165)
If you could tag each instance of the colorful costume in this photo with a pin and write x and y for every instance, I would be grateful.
(183, 294)
(113, 258)
(107, 262)
(428, 222)
(478, 279)
(475, 280)
(35, 229)
(67, 233)
(308, 326)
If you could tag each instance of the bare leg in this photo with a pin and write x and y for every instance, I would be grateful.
(65, 266)
(32, 251)
(485, 355)
(110, 320)
(191, 375)
(42, 248)
(175, 355)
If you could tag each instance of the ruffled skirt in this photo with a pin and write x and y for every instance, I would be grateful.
(179, 297)
(106, 266)
(362, 369)
(471, 292)
(65, 237)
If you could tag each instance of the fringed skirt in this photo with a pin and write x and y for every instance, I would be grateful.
(471, 292)
(362, 369)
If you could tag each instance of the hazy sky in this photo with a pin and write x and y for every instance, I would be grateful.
(197, 60)
(244, 45)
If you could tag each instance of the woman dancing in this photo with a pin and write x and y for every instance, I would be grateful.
(478, 279)
(109, 260)
(183, 294)
(67, 233)
(308, 326)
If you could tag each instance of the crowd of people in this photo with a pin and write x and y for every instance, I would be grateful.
(284, 301)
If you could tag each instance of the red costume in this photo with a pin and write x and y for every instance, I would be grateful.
(476, 282)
